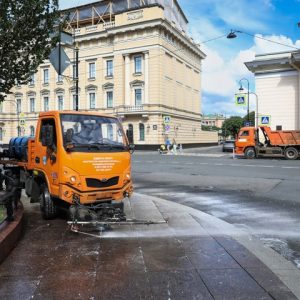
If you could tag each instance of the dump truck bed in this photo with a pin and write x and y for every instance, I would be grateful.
(283, 137)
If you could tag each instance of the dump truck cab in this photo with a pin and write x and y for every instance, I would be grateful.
(79, 157)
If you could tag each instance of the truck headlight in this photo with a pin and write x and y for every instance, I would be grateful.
(70, 176)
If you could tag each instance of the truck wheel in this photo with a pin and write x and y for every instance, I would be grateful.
(48, 207)
(291, 153)
(250, 153)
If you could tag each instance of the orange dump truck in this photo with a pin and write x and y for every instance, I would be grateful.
(254, 142)
(75, 159)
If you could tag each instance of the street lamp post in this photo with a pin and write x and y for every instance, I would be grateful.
(248, 93)
(256, 113)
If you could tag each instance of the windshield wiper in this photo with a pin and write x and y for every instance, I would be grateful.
(89, 146)
(110, 145)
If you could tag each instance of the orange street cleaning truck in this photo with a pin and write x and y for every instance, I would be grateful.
(254, 142)
(76, 160)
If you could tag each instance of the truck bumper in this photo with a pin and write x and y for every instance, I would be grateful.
(67, 194)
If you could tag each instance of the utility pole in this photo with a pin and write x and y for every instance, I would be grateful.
(76, 76)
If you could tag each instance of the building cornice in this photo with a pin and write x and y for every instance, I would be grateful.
(282, 61)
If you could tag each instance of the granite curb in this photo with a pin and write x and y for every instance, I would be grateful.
(10, 232)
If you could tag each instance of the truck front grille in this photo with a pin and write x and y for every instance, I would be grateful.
(96, 183)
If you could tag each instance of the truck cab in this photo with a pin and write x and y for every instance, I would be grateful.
(78, 157)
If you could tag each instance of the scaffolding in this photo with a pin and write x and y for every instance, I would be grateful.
(104, 11)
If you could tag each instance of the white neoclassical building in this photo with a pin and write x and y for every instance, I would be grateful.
(277, 79)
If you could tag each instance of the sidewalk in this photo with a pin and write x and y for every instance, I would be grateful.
(193, 256)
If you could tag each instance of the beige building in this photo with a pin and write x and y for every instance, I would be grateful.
(277, 78)
(136, 61)
(216, 120)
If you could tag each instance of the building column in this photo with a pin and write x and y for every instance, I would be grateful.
(127, 78)
(146, 76)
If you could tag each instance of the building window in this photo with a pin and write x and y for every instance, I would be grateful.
(110, 132)
(278, 127)
(109, 68)
(60, 100)
(31, 131)
(19, 105)
(92, 99)
(138, 97)
(46, 103)
(109, 99)
(1, 134)
(138, 64)
(59, 78)
(46, 76)
(92, 70)
(32, 105)
(32, 79)
(142, 131)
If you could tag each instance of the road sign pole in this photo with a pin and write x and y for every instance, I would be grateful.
(77, 76)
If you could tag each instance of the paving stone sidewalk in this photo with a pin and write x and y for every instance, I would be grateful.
(189, 257)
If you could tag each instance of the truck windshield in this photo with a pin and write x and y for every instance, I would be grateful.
(92, 133)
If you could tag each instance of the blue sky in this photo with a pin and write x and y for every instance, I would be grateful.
(274, 20)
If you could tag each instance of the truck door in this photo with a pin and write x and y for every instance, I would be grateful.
(46, 159)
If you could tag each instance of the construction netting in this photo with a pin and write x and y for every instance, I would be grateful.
(101, 9)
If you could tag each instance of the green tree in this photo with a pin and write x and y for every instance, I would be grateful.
(231, 126)
(251, 118)
(25, 42)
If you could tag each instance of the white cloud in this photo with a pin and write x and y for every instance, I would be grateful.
(220, 77)
(273, 43)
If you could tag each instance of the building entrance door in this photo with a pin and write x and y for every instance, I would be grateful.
(129, 134)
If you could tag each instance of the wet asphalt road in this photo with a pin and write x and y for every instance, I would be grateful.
(260, 196)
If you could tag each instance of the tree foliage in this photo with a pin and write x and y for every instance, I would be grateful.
(25, 42)
(232, 125)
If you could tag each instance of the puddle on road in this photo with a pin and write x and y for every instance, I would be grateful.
(274, 224)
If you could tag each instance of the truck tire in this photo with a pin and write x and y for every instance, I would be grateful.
(250, 153)
(291, 153)
(48, 207)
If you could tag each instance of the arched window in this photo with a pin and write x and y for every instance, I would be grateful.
(32, 131)
(142, 131)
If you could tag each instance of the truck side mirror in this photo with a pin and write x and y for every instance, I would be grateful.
(131, 148)
(47, 135)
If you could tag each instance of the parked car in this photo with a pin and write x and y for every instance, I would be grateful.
(228, 145)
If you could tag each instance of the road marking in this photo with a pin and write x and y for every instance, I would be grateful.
(221, 164)
(290, 167)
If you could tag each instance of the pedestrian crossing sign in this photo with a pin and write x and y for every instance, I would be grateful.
(241, 99)
(22, 121)
(265, 120)
(167, 120)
